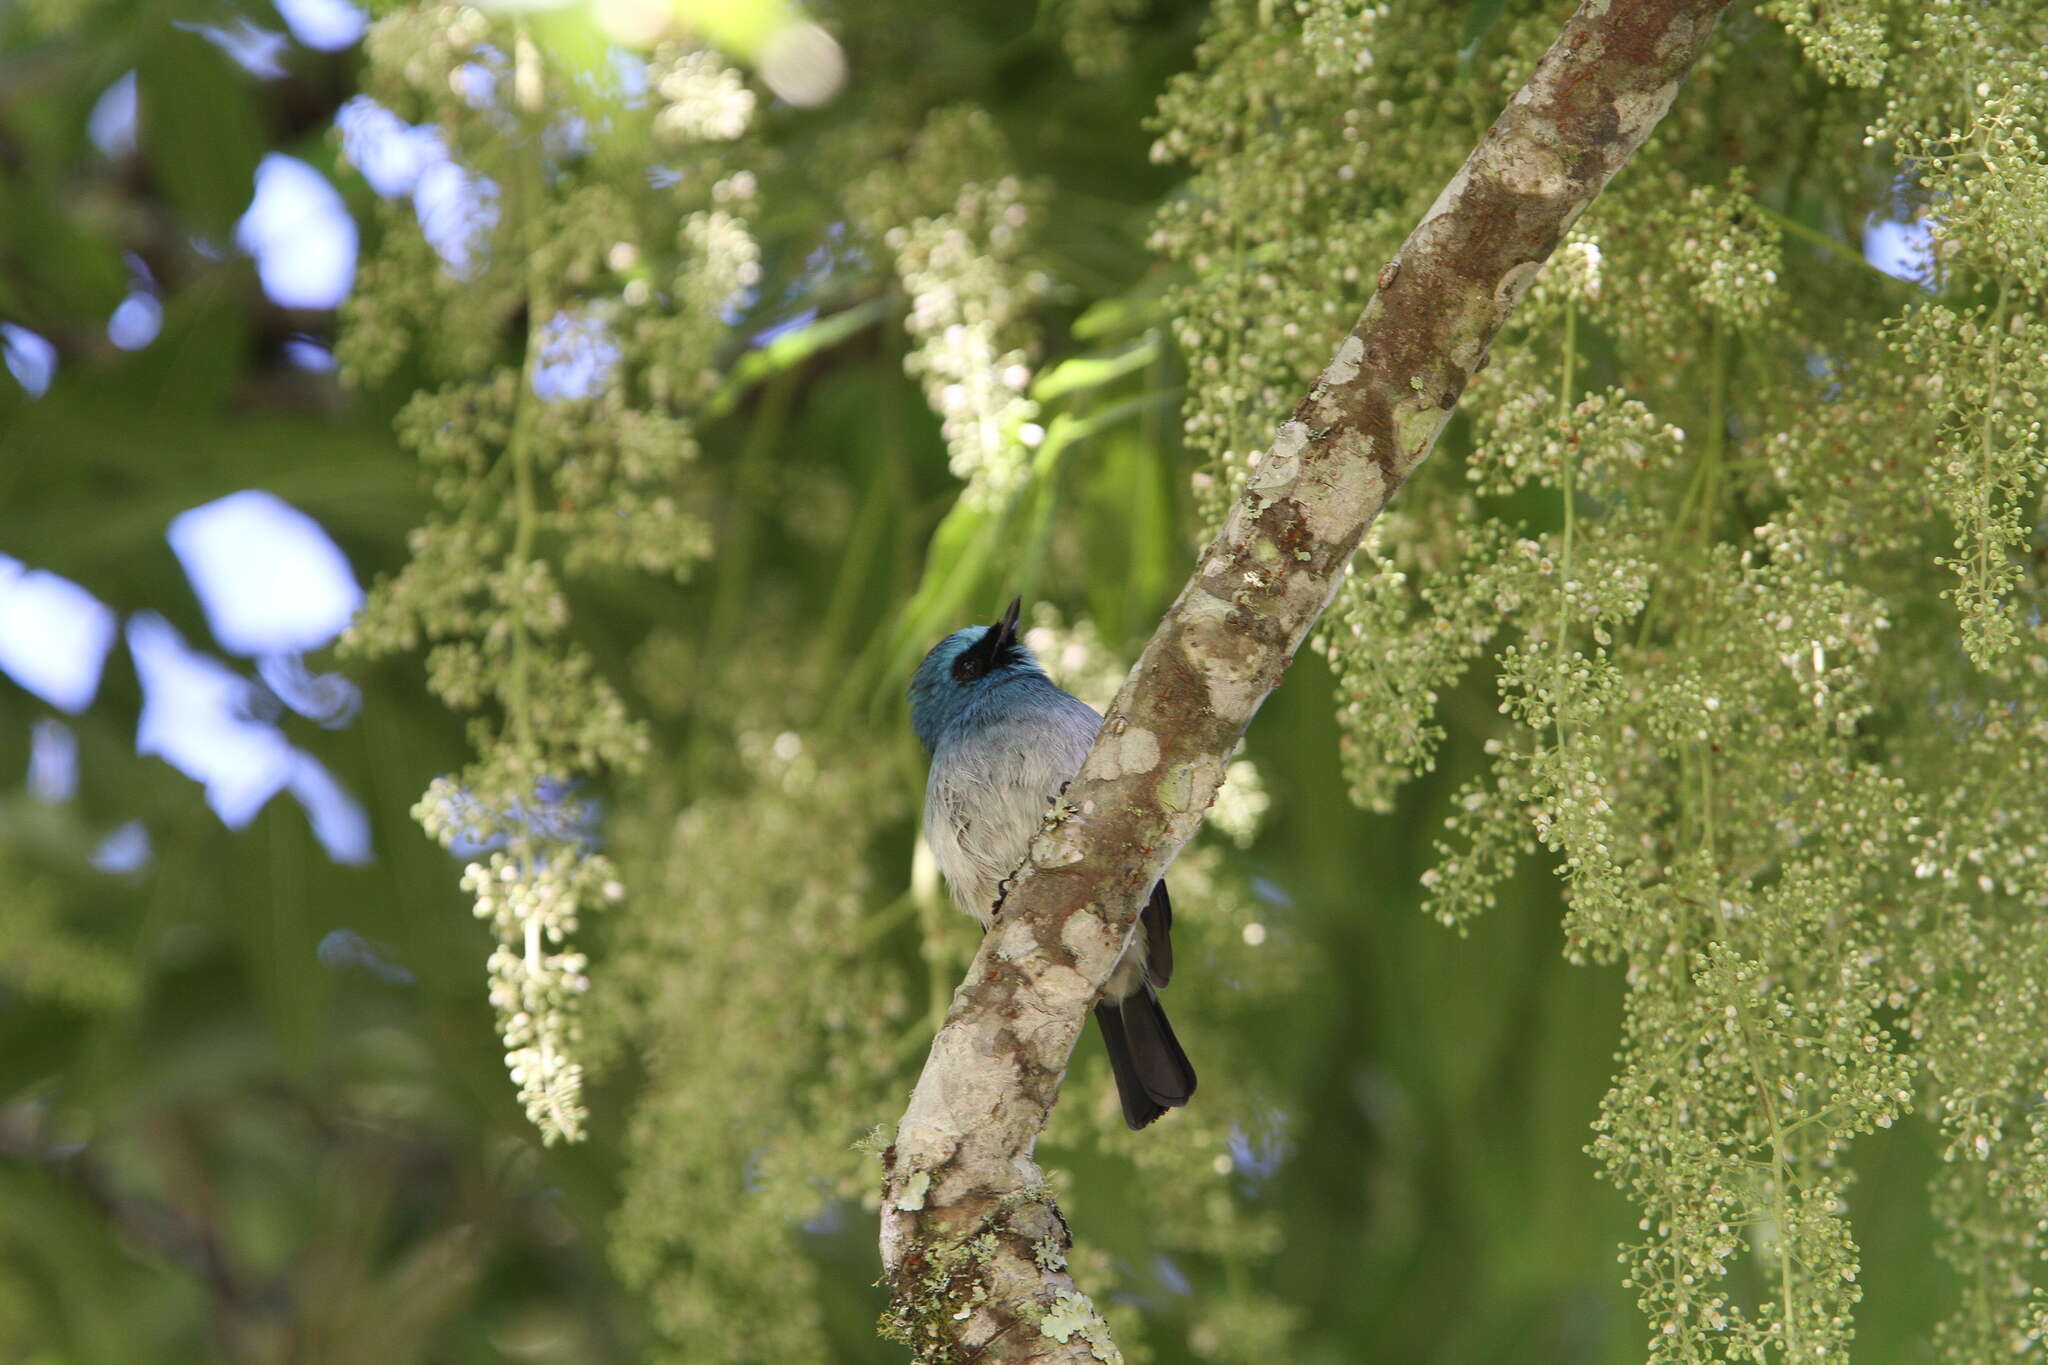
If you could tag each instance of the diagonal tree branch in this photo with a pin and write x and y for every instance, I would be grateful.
(973, 1249)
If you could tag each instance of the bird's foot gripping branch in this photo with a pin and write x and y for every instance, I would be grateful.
(973, 1250)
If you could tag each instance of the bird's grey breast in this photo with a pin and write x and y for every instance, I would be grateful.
(992, 784)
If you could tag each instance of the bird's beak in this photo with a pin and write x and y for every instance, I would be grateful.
(1006, 629)
(1000, 635)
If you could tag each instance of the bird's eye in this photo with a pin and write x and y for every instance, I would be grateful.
(967, 668)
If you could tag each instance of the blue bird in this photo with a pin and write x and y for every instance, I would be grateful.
(1004, 741)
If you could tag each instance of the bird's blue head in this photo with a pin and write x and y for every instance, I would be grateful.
(962, 674)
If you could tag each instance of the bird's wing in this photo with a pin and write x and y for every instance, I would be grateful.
(1157, 916)
(1157, 919)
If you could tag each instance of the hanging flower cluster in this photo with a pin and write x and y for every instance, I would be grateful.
(956, 225)
(568, 329)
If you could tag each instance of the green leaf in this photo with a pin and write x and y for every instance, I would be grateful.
(74, 271)
(200, 130)
(793, 348)
(1092, 372)
(1142, 307)
(960, 551)
(1480, 17)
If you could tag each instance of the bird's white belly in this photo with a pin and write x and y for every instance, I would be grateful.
(980, 816)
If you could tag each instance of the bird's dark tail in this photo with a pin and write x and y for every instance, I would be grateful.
(1152, 1073)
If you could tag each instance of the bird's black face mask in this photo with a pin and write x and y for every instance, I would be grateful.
(995, 646)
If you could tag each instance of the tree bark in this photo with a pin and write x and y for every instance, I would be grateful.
(973, 1248)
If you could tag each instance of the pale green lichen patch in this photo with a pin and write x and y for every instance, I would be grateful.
(1282, 461)
(1073, 1315)
(1134, 750)
(1187, 790)
(1086, 934)
(1515, 284)
(1415, 429)
(946, 1285)
(1343, 368)
(1538, 173)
